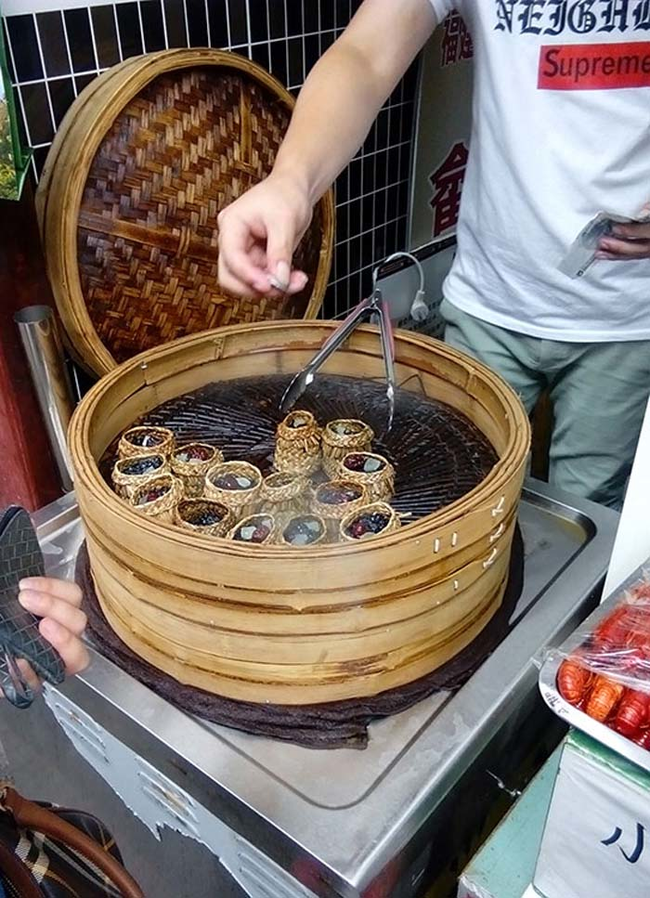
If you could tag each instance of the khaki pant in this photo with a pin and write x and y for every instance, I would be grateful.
(599, 393)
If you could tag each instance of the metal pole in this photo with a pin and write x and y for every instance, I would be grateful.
(42, 343)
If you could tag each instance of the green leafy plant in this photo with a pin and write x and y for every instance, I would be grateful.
(13, 160)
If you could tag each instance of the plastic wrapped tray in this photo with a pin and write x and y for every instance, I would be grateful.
(613, 646)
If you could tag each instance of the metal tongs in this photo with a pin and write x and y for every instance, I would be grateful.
(375, 304)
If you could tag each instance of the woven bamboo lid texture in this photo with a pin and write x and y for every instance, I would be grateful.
(145, 160)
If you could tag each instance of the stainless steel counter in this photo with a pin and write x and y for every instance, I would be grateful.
(350, 813)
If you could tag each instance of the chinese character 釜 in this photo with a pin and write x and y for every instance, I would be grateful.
(457, 41)
(447, 182)
(638, 848)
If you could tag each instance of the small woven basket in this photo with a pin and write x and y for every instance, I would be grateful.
(298, 444)
(382, 508)
(256, 521)
(295, 519)
(130, 473)
(333, 513)
(283, 493)
(192, 469)
(163, 508)
(145, 440)
(189, 513)
(341, 437)
(241, 501)
(379, 484)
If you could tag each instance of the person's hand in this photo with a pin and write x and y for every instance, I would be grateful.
(258, 234)
(630, 241)
(58, 603)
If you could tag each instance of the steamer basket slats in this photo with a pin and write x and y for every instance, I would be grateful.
(315, 624)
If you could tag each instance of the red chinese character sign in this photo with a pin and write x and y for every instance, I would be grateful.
(447, 182)
(444, 123)
(457, 41)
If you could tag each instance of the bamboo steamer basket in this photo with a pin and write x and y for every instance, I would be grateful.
(193, 472)
(291, 519)
(298, 448)
(125, 482)
(163, 508)
(310, 624)
(240, 501)
(394, 522)
(337, 445)
(128, 448)
(379, 485)
(144, 161)
(334, 514)
(253, 520)
(283, 493)
(187, 510)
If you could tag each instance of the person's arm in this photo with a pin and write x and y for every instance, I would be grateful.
(336, 108)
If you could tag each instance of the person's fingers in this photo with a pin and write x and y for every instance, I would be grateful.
(298, 282)
(626, 249)
(258, 257)
(30, 677)
(70, 647)
(281, 237)
(60, 589)
(46, 605)
(633, 231)
(234, 285)
(235, 241)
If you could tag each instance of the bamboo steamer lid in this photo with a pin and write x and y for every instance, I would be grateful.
(145, 160)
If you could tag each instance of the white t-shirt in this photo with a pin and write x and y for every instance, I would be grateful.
(561, 131)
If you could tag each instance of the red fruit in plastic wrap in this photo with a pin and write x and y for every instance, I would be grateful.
(639, 626)
(603, 698)
(632, 713)
(573, 681)
(643, 739)
(614, 630)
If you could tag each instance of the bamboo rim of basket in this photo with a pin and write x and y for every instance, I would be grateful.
(129, 481)
(248, 520)
(218, 528)
(364, 435)
(394, 521)
(370, 478)
(338, 511)
(127, 449)
(238, 498)
(487, 494)
(165, 503)
(297, 517)
(305, 431)
(61, 217)
(199, 467)
(285, 492)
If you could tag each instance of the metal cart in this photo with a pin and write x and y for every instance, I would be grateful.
(288, 822)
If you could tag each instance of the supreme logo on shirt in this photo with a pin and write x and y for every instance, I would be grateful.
(594, 66)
